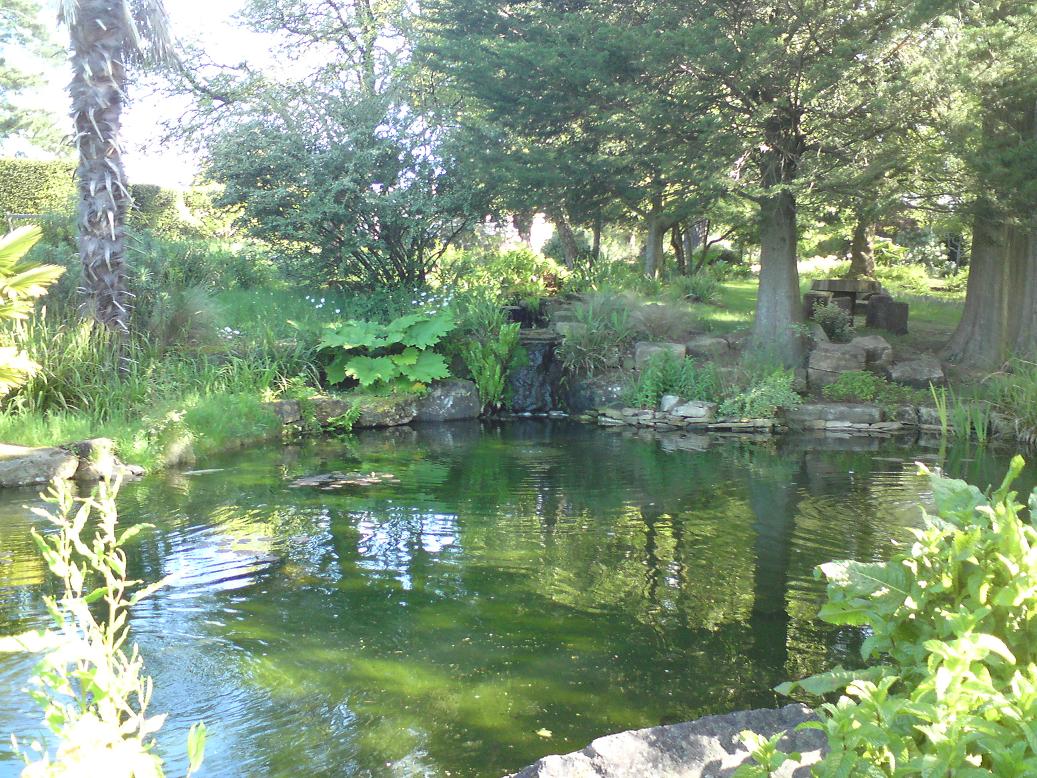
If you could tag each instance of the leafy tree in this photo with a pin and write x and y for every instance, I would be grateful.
(992, 60)
(21, 29)
(566, 93)
(352, 181)
(107, 38)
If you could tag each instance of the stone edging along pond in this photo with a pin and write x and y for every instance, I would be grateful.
(457, 399)
(827, 418)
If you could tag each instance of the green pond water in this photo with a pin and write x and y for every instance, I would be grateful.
(522, 590)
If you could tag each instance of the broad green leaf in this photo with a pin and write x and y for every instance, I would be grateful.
(426, 333)
(352, 335)
(372, 370)
(196, 746)
(427, 367)
(833, 680)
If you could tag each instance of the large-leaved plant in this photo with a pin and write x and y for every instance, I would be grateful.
(395, 355)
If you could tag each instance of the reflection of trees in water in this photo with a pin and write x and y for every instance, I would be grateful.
(519, 577)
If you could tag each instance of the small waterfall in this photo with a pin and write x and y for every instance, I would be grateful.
(536, 387)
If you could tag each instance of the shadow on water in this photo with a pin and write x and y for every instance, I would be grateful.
(522, 590)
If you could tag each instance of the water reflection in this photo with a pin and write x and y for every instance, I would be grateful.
(521, 578)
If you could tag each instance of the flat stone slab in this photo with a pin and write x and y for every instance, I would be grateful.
(707, 347)
(851, 413)
(918, 373)
(709, 747)
(23, 466)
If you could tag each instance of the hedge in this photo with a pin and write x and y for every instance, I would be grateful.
(31, 186)
(35, 187)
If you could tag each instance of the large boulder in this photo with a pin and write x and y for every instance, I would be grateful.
(449, 400)
(288, 411)
(878, 354)
(596, 391)
(830, 360)
(644, 351)
(389, 410)
(707, 347)
(709, 747)
(23, 466)
(918, 373)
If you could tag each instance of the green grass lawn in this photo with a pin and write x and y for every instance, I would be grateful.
(932, 318)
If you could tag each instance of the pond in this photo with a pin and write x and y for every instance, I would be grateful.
(523, 589)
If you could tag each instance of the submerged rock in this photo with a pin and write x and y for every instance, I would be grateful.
(337, 480)
(709, 747)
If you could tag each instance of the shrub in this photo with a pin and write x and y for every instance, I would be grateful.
(387, 356)
(952, 685)
(491, 360)
(663, 321)
(601, 330)
(519, 276)
(763, 397)
(36, 187)
(862, 386)
(1015, 391)
(94, 696)
(665, 373)
(835, 321)
(701, 287)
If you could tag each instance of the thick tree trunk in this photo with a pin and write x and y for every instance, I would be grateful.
(655, 233)
(862, 258)
(677, 234)
(1025, 344)
(694, 236)
(570, 248)
(523, 221)
(777, 303)
(983, 334)
(97, 90)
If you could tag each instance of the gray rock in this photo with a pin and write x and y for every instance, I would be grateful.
(851, 413)
(597, 391)
(449, 400)
(878, 353)
(696, 410)
(668, 402)
(906, 414)
(325, 408)
(707, 347)
(918, 373)
(643, 351)
(568, 329)
(830, 360)
(97, 459)
(928, 416)
(22, 466)
(387, 411)
(288, 411)
(707, 748)
(799, 380)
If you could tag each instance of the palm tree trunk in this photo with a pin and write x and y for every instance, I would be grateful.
(98, 38)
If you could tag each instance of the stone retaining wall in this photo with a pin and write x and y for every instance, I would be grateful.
(825, 418)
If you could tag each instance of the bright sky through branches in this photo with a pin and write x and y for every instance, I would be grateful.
(208, 23)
